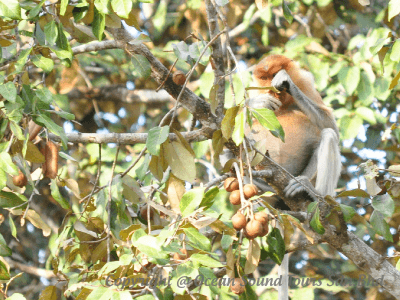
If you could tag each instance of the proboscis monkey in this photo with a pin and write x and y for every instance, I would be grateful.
(311, 148)
(311, 151)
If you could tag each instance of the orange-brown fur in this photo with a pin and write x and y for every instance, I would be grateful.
(301, 135)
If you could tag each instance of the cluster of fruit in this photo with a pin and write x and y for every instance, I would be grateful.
(231, 184)
(257, 226)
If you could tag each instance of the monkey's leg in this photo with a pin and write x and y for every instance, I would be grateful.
(325, 162)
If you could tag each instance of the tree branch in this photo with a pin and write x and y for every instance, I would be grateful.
(126, 138)
(119, 93)
(30, 269)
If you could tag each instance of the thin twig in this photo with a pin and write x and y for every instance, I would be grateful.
(109, 203)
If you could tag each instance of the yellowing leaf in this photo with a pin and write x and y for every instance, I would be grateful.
(33, 154)
(175, 191)
(252, 257)
(49, 293)
(181, 161)
(37, 221)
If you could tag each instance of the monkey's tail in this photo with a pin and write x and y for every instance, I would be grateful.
(329, 163)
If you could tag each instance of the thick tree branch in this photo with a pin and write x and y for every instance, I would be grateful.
(119, 93)
(126, 138)
(365, 258)
(217, 56)
(30, 269)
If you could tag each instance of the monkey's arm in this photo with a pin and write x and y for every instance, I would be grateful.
(264, 101)
(317, 114)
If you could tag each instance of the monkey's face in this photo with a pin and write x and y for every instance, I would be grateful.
(265, 71)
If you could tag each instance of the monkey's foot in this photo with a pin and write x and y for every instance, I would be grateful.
(299, 185)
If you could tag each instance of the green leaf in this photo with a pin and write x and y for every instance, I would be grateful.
(287, 13)
(7, 164)
(228, 122)
(268, 119)
(17, 130)
(393, 9)
(100, 293)
(274, 246)
(316, 223)
(63, 44)
(46, 64)
(365, 89)
(63, 114)
(205, 260)
(53, 127)
(13, 228)
(8, 199)
(384, 204)
(8, 91)
(35, 11)
(197, 239)
(155, 138)
(44, 95)
(55, 193)
(141, 66)
(367, 114)
(226, 241)
(348, 212)
(22, 59)
(395, 54)
(10, 9)
(4, 250)
(238, 131)
(63, 7)
(381, 87)
(103, 6)
(190, 201)
(349, 77)
(122, 7)
(51, 32)
(196, 49)
(4, 275)
(181, 50)
(350, 126)
(379, 224)
(148, 245)
(99, 23)
(209, 197)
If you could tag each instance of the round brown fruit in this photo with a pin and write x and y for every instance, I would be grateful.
(265, 230)
(238, 221)
(262, 217)
(231, 184)
(20, 180)
(179, 256)
(234, 197)
(238, 286)
(249, 190)
(179, 77)
(143, 213)
(253, 229)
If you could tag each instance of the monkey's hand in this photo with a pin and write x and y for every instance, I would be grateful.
(298, 185)
(265, 101)
(282, 81)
